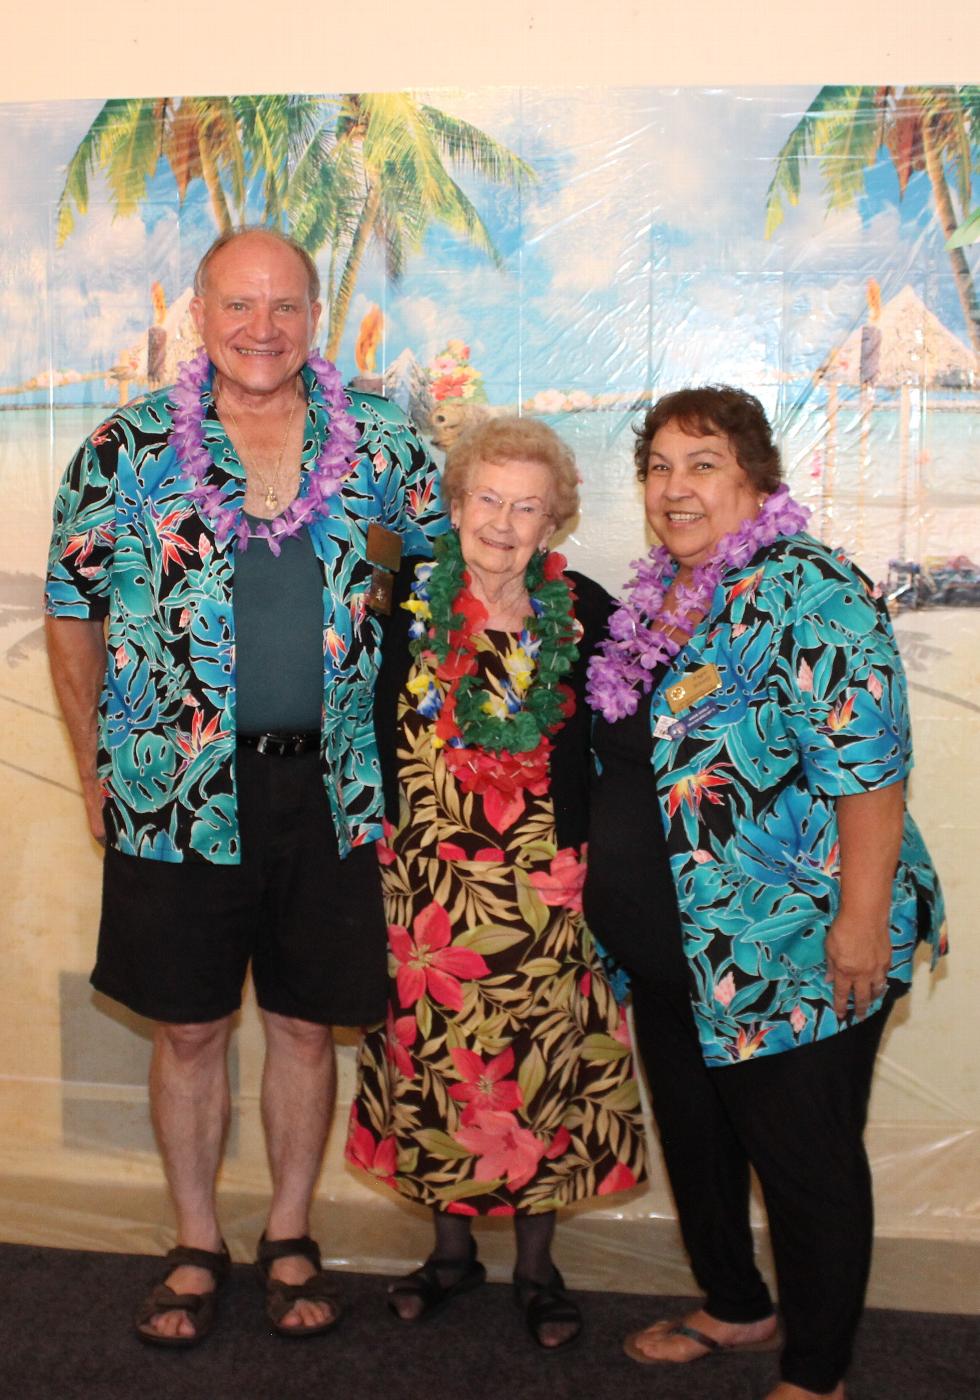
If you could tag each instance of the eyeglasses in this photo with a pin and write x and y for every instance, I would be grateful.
(489, 503)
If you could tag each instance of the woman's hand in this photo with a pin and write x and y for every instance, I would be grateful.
(858, 944)
(858, 958)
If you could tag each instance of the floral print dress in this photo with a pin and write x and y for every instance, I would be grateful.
(502, 1080)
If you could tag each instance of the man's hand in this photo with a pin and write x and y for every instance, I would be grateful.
(77, 655)
(94, 803)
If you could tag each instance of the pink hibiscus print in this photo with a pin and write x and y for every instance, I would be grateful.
(484, 1083)
(399, 1037)
(564, 881)
(620, 1178)
(559, 1144)
(502, 1146)
(428, 965)
(449, 850)
(366, 1152)
(725, 989)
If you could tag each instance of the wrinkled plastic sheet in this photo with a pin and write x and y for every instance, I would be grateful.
(635, 258)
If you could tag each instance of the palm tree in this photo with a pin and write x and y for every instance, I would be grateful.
(198, 137)
(931, 129)
(339, 171)
(389, 183)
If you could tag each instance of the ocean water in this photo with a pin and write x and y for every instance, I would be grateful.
(866, 494)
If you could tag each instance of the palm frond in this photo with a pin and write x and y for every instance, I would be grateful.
(848, 145)
(112, 122)
(804, 141)
(130, 152)
(468, 146)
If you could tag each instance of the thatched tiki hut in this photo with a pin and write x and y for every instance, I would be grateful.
(904, 347)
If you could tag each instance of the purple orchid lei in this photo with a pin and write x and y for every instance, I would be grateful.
(320, 483)
(620, 668)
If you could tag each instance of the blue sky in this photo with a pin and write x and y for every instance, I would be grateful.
(637, 258)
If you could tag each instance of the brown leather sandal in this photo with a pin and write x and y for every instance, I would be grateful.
(199, 1307)
(281, 1298)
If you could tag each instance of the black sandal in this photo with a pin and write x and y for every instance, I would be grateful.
(544, 1303)
(281, 1298)
(424, 1283)
(200, 1307)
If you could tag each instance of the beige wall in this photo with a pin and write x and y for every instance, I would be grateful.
(61, 1180)
(100, 48)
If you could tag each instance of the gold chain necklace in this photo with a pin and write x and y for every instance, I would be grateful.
(271, 494)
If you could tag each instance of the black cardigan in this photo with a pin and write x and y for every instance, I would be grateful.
(570, 758)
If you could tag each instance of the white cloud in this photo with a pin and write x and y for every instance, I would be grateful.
(424, 325)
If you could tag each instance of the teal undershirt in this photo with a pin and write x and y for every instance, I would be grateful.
(278, 605)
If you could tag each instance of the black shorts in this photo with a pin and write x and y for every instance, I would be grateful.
(175, 940)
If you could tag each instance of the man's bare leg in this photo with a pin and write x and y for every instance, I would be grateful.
(298, 1085)
(190, 1106)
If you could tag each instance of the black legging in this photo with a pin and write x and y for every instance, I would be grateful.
(798, 1119)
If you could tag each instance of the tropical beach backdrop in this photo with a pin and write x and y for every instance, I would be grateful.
(565, 253)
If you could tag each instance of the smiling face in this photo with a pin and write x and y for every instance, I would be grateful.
(695, 492)
(503, 517)
(255, 315)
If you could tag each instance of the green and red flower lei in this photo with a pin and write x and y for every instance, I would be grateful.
(492, 742)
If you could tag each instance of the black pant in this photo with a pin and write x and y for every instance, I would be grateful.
(798, 1118)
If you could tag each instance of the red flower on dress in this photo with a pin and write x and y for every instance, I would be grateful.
(363, 1149)
(399, 1036)
(448, 850)
(428, 965)
(503, 1148)
(559, 1144)
(620, 1178)
(484, 1083)
(562, 885)
(386, 856)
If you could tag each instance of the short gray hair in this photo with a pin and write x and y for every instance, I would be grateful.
(222, 241)
(514, 439)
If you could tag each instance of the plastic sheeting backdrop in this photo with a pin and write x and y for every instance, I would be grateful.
(600, 246)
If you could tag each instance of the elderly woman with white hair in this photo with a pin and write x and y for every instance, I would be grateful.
(502, 1081)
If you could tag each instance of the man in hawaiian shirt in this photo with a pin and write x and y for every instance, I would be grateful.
(219, 701)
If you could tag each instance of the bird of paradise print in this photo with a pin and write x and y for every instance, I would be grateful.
(699, 785)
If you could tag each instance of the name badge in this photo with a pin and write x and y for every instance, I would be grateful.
(692, 688)
(384, 547)
(379, 595)
(667, 728)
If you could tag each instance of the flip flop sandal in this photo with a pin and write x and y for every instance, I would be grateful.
(281, 1298)
(680, 1329)
(424, 1283)
(544, 1303)
(200, 1307)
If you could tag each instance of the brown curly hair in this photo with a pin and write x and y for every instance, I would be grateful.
(721, 409)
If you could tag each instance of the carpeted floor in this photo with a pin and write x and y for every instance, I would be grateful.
(65, 1334)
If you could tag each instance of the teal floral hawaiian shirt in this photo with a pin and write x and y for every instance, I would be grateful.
(130, 547)
(811, 706)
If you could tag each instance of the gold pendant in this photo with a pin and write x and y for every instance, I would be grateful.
(271, 500)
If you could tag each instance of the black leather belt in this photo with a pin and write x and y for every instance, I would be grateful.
(282, 745)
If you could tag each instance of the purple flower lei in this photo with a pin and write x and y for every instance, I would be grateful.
(620, 668)
(316, 486)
